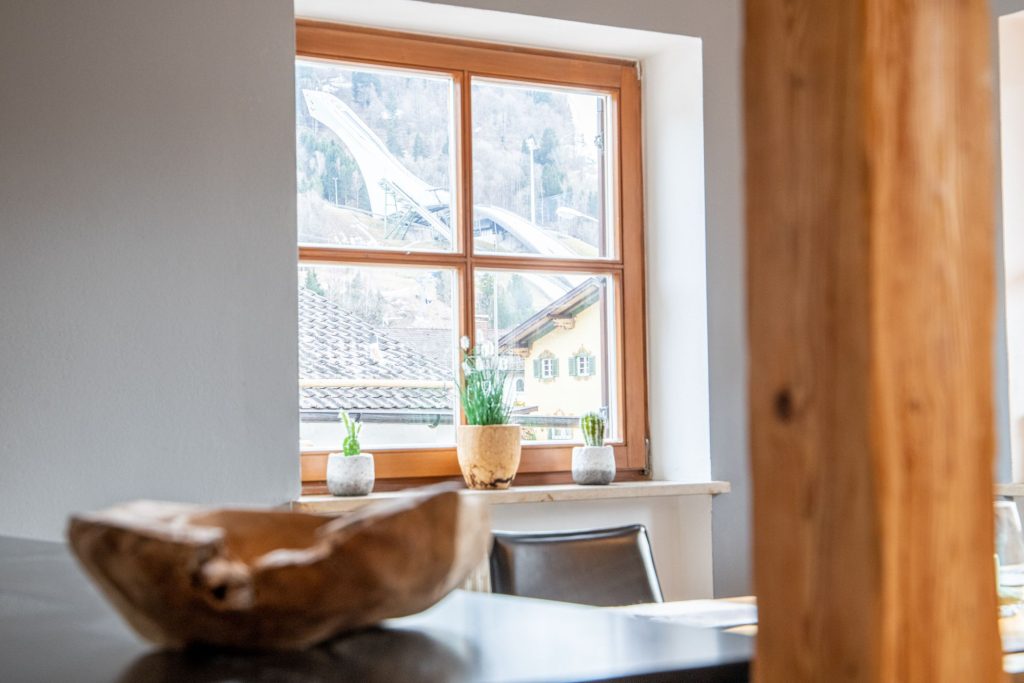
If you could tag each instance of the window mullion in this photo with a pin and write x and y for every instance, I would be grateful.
(464, 178)
(464, 193)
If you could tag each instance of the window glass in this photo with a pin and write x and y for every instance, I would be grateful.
(541, 171)
(374, 159)
(379, 343)
(545, 323)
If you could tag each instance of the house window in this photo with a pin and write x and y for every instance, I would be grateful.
(545, 367)
(560, 433)
(581, 364)
(448, 188)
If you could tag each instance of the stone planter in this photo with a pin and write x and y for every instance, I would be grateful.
(489, 455)
(350, 475)
(593, 464)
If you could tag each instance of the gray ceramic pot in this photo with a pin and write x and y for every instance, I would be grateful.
(593, 464)
(350, 475)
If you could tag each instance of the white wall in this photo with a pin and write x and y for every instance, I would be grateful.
(1011, 110)
(147, 256)
(679, 529)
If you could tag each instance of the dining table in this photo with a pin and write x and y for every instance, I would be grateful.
(56, 626)
(738, 616)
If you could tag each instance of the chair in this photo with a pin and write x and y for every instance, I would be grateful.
(602, 567)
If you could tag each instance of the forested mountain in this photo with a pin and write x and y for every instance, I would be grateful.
(411, 114)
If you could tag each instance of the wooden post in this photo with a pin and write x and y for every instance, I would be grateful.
(870, 297)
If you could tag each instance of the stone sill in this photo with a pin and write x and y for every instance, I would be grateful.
(1013, 490)
(532, 494)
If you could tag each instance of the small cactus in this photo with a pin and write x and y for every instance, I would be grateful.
(350, 444)
(592, 425)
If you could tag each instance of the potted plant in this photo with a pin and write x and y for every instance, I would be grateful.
(350, 473)
(593, 463)
(488, 446)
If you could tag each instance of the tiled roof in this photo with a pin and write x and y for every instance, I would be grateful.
(434, 343)
(336, 344)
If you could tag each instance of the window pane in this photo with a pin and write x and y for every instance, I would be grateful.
(558, 330)
(374, 157)
(379, 343)
(541, 171)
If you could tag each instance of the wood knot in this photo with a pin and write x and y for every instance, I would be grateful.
(783, 404)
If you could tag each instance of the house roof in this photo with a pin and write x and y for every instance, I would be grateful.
(334, 343)
(541, 323)
(432, 342)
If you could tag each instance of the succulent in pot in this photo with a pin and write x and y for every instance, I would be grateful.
(593, 463)
(351, 472)
(488, 446)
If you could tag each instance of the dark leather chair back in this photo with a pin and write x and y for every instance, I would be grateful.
(602, 567)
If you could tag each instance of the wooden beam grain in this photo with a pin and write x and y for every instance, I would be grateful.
(870, 274)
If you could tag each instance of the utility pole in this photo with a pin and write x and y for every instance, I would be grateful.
(531, 145)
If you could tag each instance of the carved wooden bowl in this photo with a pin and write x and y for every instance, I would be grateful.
(183, 574)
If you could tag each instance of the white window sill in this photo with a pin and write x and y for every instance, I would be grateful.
(1013, 489)
(533, 494)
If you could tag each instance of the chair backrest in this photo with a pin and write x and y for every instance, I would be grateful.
(601, 567)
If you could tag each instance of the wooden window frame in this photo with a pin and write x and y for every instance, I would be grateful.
(461, 60)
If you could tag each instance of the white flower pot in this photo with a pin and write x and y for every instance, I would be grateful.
(593, 464)
(350, 475)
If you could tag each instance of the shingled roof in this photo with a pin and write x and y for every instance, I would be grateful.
(334, 344)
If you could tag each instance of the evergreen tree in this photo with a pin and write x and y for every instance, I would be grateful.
(547, 148)
(313, 283)
(419, 148)
(365, 303)
(365, 87)
(485, 295)
(551, 181)
(515, 303)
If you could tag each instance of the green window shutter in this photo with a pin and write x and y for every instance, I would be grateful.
(591, 366)
(554, 367)
(573, 360)
(536, 368)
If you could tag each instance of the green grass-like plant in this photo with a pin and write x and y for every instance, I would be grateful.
(350, 444)
(484, 385)
(592, 426)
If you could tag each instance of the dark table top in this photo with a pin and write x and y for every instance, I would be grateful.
(54, 626)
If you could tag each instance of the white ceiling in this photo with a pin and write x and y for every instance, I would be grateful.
(488, 25)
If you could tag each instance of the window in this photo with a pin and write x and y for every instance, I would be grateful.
(560, 434)
(447, 188)
(581, 365)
